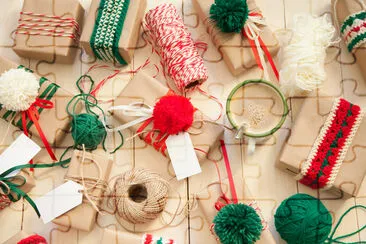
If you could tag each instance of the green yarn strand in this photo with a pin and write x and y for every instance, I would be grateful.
(355, 41)
(229, 15)
(238, 224)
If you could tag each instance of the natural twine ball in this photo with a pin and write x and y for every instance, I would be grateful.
(303, 219)
(140, 195)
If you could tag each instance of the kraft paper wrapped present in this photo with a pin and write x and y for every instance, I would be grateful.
(21, 235)
(235, 48)
(342, 9)
(114, 237)
(130, 29)
(83, 216)
(209, 196)
(147, 90)
(49, 30)
(56, 116)
(307, 127)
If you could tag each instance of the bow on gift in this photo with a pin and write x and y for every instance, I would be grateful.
(234, 16)
(10, 185)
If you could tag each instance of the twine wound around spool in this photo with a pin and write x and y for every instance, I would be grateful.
(139, 195)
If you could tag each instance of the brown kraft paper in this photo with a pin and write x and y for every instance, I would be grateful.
(83, 216)
(203, 135)
(314, 112)
(235, 49)
(49, 48)
(115, 237)
(17, 237)
(57, 116)
(345, 8)
(130, 31)
(208, 197)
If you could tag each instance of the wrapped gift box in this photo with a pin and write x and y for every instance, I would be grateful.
(147, 90)
(130, 31)
(83, 216)
(17, 237)
(313, 114)
(42, 46)
(234, 48)
(345, 8)
(208, 197)
(114, 237)
(57, 116)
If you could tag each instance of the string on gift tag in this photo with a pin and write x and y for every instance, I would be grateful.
(48, 25)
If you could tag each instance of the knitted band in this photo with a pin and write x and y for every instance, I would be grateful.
(331, 146)
(354, 30)
(150, 239)
(107, 30)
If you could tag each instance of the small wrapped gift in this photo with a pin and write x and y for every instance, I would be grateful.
(24, 238)
(115, 237)
(325, 149)
(49, 30)
(146, 91)
(238, 51)
(48, 108)
(112, 29)
(351, 16)
(92, 171)
(209, 200)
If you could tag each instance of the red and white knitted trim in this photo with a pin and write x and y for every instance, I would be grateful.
(330, 148)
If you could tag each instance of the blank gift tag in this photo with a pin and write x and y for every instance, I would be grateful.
(21, 151)
(182, 155)
(59, 201)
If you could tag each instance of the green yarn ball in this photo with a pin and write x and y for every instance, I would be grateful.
(303, 219)
(229, 15)
(237, 224)
(87, 129)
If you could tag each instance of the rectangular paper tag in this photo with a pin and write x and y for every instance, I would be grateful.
(59, 201)
(182, 155)
(21, 151)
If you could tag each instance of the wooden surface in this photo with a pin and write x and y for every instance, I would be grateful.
(268, 185)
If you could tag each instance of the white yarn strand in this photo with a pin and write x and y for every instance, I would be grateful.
(302, 60)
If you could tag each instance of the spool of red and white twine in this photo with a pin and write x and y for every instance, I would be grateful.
(176, 48)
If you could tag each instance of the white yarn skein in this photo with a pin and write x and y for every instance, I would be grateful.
(18, 89)
(302, 60)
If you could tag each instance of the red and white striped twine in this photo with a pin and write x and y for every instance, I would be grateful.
(44, 25)
(175, 46)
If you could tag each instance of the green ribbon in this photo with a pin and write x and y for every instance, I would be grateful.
(11, 184)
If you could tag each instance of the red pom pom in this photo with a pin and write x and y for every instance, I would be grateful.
(173, 114)
(34, 239)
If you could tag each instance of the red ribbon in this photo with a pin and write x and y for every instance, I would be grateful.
(33, 115)
(264, 48)
(224, 200)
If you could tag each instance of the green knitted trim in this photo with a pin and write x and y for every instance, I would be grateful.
(350, 19)
(359, 39)
(108, 28)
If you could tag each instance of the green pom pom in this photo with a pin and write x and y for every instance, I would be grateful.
(238, 223)
(87, 129)
(230, 15)
(303, 219)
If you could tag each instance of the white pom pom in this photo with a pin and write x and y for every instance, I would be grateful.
(302, 61)
(18, 89)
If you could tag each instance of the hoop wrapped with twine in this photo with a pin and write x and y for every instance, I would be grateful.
(139, 195)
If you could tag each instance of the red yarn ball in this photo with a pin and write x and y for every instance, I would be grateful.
(173, 114)
(33, 239)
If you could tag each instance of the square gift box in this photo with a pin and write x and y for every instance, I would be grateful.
(127, 36)
(94, 169)
(234, 47)
(56, 116)
(147, 90)
(342, 163)
(49, 30)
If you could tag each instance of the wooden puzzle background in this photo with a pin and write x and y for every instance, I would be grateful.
(183, 219)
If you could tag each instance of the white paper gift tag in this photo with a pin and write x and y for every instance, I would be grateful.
(59, 201)
(182, 155)
(21, 151)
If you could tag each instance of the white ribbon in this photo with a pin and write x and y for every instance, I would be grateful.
(253, 31)
(138, 109)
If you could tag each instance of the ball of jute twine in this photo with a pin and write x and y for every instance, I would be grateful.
(140, 195)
